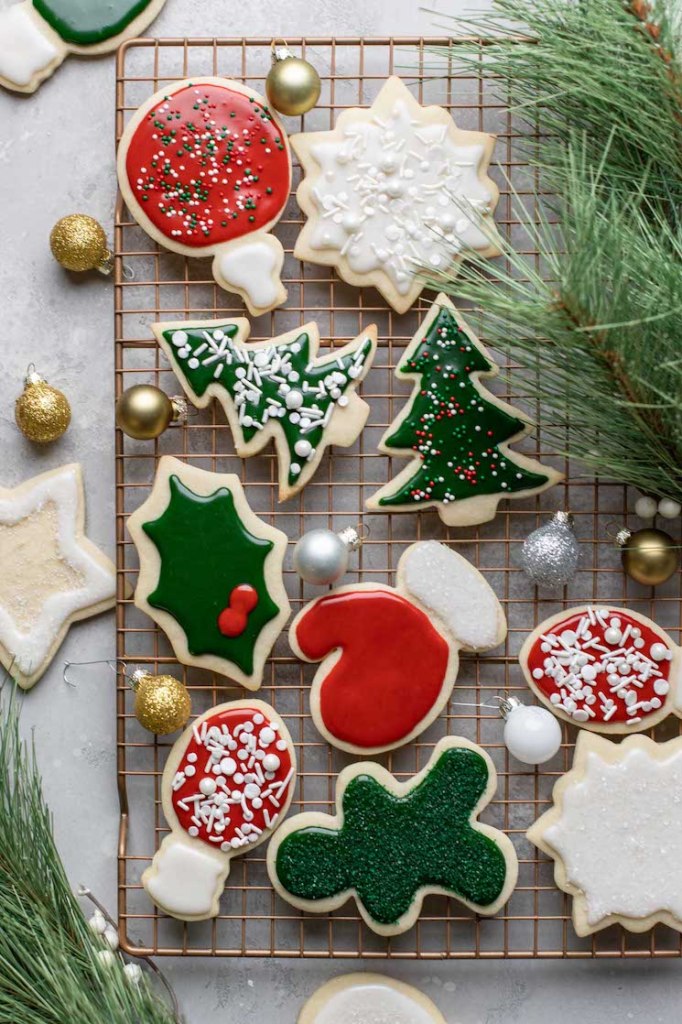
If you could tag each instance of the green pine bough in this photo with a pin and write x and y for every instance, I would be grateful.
(50, 968)
(595, 334)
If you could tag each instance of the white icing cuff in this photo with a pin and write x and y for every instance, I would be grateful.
(25, 51)
(184, 881)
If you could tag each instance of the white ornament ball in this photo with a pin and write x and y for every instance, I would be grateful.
(531, 734)
(320, 557)
(646, 507)
(668, 508)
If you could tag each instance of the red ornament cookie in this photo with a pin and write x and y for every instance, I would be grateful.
(390, 655)
(607, 669)
(205, 169)
(227, 785)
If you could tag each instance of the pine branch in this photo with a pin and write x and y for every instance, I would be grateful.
(50, 971)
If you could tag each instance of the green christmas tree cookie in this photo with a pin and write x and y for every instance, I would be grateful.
(391, 843)
(455, 431)
(274, 390)
(210, 571)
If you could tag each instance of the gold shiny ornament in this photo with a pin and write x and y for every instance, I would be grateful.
(162, 703)
(144, 411)
(649, 556)
(293, 85)
(78, 242)
(42, 412)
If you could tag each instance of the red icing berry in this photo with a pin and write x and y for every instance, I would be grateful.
(233, 780)
(392, 667)
(233, 620)
(209, 164)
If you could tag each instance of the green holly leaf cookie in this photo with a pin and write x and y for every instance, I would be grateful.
(88, 22)
(275, 390)
(391, 843)
(210, 571)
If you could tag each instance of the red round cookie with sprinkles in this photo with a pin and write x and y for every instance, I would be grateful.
(235, 779)
(603, 668)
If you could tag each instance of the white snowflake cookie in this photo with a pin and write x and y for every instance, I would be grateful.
(615, 834)
(393, 190)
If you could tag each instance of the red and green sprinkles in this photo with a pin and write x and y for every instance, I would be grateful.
(209, 164)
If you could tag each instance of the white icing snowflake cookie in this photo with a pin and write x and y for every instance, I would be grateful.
(615, 834)
(37, 35)
(277, 390)
(393, 190)
(51, 576)
(227, 784)
(369, 999)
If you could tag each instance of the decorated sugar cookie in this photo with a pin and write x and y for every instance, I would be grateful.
(37, 35)
(204, 167)
(392, 843)
(615, 833)
(51, 575)
(210, 571)
(607, 669)
(227, 785)
(454, 431)
(366, 998)
(393, 190)
(389, 656)
(279, 389)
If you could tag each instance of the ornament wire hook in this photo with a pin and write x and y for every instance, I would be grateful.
(113, 664)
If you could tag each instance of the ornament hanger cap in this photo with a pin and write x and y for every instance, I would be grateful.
(623, 536)
(280, 52)
(564, 517)
(508, 704)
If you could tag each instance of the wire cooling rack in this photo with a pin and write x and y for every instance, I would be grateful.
(152, 284)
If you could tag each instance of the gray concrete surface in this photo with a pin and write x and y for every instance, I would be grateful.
(56, 156)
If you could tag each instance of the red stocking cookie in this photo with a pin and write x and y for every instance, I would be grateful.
(205, 169)
(606, 669)
(390, 655)
(227, 785)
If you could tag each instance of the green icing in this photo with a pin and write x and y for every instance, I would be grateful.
(452, 427)
(87, 22)
(277, 382)
(205, 552)
(389, 847)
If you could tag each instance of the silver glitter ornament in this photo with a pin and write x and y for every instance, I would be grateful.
(549, 556)
(321, 556)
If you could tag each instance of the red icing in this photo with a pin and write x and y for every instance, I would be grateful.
(233, 178)
(233, 620)
(391, 670)
(647, 685)
(232, 779)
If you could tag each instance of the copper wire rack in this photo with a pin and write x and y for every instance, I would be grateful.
(152, 284)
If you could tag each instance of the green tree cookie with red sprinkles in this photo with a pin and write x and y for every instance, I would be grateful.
(205, 169)
(456, 432)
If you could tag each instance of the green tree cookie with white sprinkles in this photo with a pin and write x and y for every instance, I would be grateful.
(275, 390)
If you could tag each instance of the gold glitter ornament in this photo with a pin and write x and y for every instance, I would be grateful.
(162, 703)
(649, 556)
(42, 412)
(79, 243)
(293, 85)
(144, 411)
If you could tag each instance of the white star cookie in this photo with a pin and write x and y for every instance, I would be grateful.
(52, 575)
(369, 999)
(393, 190)
(615, 833)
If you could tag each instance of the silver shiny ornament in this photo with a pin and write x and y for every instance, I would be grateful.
(321, 556)
(549, 556)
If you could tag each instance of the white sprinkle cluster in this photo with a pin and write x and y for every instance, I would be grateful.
(240, 771)
(600, 667)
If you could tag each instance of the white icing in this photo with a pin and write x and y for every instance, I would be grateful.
(397, 194)
(24, 50)
(620, 835)
(371, 1004)
(96, 581)
(446, 584)
(253, 268)
(184, 880)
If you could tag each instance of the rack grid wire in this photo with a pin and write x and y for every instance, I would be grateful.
(153, 284)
